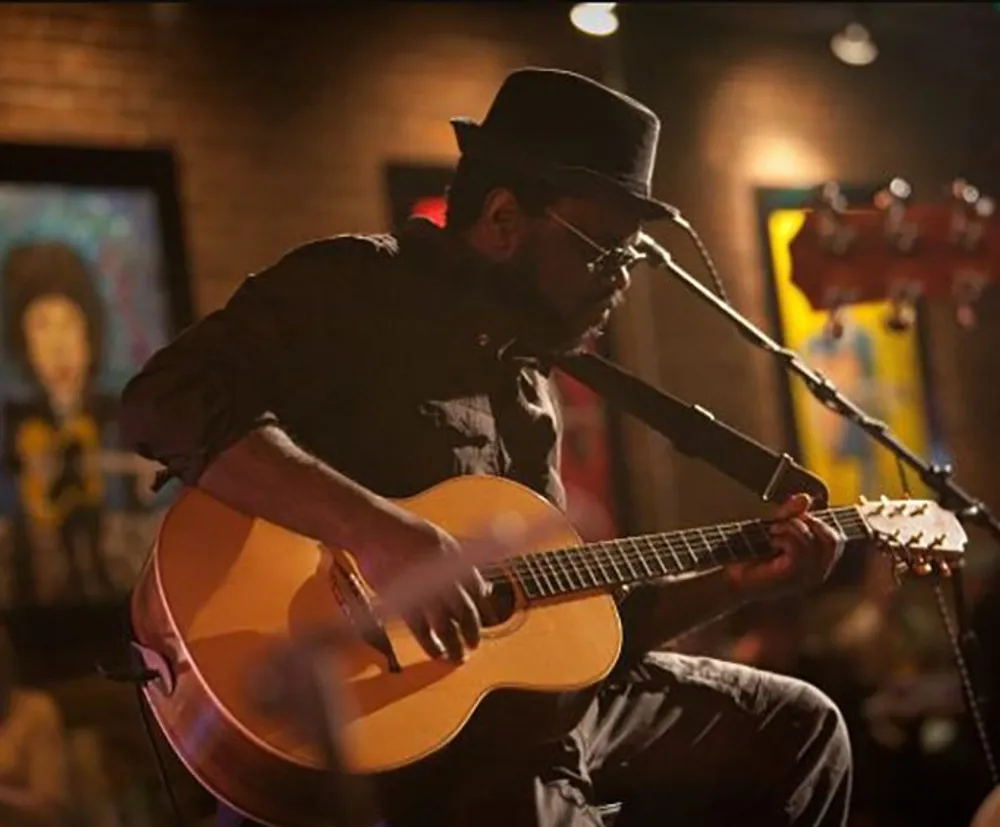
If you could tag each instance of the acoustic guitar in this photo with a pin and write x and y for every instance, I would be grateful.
(222, 589)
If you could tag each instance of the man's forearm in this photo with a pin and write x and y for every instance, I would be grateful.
(267, 475)
(658, 612)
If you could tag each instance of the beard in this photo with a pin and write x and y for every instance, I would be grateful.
(540, 325)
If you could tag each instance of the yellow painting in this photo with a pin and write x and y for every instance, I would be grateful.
(877, 369)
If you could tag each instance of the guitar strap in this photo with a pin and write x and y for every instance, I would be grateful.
(696, 432)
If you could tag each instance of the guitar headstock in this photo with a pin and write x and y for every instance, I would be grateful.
(897, 250)
(918, 535)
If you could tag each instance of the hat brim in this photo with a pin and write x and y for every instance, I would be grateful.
(473, 142)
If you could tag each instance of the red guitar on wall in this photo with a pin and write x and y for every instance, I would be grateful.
(897, 250)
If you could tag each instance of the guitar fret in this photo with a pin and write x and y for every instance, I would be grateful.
(538, 570)
(725, 544)
(606, 580)
(708, 546)
(569, 557)
(627, 558)
(614, 565)
(640, 556)
(596, 577)
(539, 582)
(837, 525)
(580, 582)
(521, 576)
(677, 560)
(558, 575)
(587, 577)
(690, 549)
(656, 556)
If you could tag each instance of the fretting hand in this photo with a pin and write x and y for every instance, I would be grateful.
(807, 550)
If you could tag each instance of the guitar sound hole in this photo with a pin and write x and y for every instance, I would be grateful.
(503, 601)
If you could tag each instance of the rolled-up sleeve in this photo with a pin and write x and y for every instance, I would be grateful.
(221, 377)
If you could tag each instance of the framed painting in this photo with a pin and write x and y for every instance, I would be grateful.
(592, 459)
(92, 281)
(883, 371)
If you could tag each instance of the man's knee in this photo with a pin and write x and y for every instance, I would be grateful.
(826, 737)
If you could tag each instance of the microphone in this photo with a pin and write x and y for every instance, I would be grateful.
(651, 250)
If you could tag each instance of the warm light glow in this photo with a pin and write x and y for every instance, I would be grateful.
(781, 160)
(854, 45)
(598, 19)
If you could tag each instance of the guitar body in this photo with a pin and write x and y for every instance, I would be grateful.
(222, 589)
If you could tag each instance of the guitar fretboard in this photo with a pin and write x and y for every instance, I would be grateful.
(629, 560)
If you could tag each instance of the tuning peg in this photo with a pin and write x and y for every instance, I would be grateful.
(830, 204)
(943, 569)
(893, 200)
(902, 312)
(970, 209)
(967, 287)
(899, 568)
(985, 207)
(877, 508)
(922, 568)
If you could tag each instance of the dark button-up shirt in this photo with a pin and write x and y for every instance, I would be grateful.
(392, 358)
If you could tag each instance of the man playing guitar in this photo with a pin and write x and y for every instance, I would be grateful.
(362, 368)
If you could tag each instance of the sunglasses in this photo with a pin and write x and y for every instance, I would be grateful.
(607, 263)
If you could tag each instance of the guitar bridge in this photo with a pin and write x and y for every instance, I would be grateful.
(357, 608)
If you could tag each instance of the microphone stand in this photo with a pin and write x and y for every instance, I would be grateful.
(936, 477)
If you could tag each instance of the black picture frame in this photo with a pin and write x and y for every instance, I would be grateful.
(56, 642)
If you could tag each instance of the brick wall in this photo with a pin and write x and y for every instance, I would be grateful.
(280, 119)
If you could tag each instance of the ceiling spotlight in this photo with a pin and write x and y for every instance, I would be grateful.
(598, 19)
(854, 45)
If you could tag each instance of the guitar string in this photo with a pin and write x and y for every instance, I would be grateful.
(664, 541)
(545, 567)
(631, 551)
(549, 569)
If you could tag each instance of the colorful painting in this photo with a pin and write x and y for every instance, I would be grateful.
(882, 371)
(590, 461)
(83, 305)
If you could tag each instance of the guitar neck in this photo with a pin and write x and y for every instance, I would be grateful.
(631, 560)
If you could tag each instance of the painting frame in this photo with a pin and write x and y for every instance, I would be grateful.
(772, 200)
(43, 628)
(418, 188)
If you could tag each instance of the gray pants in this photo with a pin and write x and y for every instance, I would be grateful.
(685, 741)
(681, 741)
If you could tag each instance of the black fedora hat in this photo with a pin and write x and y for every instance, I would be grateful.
(572, 132)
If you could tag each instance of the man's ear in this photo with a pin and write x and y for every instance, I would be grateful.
(502, 225)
